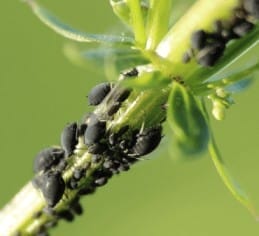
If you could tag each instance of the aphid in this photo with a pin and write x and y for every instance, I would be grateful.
(79, 173)
(86, 191)
(47, 158)
(52, 187)
(123, 167)
(186, 57)
(242, 29)
(51, 224)
(96, 158)
(146, 141)
(115, 137)
(97, 148)
(131, 73)
(95, 130)
(252, 7)
(123, 95)
(113, 108)
(69, 138)
(198, 39)
(73, 184)
(66, 215)
(98, 93)
(76, 207)
(37, 214)
(81, 129)
(210, 54)
(101, 181)
(108, 164)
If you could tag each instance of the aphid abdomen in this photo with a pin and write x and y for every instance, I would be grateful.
(52, 187)
(69, 138)
(98, 93)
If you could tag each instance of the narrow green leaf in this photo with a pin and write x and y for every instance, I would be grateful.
(69, 32)
(106, 59)
(121, 9)
(187, 120)
(157, 22)
(137, 21)
(227, 178)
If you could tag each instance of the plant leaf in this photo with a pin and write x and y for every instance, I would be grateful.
(187, 120)
(69, 32)
(121, 9)
(227, 178)
(106, 59)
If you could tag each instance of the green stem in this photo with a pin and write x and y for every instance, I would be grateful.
(137, 22)
(157, 22)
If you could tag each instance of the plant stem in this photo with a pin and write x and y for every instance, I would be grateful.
(137, 22)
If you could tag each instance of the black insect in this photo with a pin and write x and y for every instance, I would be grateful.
(101, 181)
(81, 129)
(131, 73)
(95, 130)
(242, 28)
(252, 7)
(97, 148)
(198, 39)
(72, 184)
(76, 207)
(52, 187)
(79, 173)
(146, 141)
(86, 191)
(186, 57)
(48, 158)
(209, 55)
(113, 108)
(122, 95)
(98, 93)
(69, 138)
(66, 215)
(51, 224)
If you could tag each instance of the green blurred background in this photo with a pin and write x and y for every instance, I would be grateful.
(40, 91)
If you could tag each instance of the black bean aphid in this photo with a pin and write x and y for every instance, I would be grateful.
(66, 215)
(47, 158)
(69, 138)
(81, 129)
(113, 108)
(52, 187)
(97, 148)
(147, 141)
(79, 173)
(98, 93)
(123, 95)
(198, 39)
(252, 7)
(95, 130)
(72, 184)
(242, 29)
(210, 54)
(86, 191)
(76, 207)
(101, 181)
(131, 73)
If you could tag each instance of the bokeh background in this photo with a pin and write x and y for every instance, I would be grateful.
(41, 91)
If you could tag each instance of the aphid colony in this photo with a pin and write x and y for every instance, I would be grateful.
(208, 47)
(114, 151)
